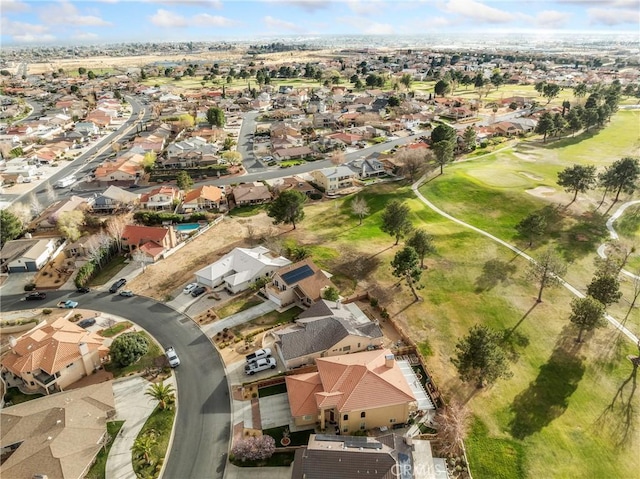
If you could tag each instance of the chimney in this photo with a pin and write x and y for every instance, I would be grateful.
(84, 349)
(338, 304)
(12, 342)
(389, 359)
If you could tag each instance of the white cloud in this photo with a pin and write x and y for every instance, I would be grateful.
(367, 7)
(13, 6)
(217, 4)
(478, 11)
(85, 36)
(613, 17)
(605, 3)
(12, 28)
(206, 20)
(552, 19)
(438, 22)
(277, 24)
(306, 5)
(368, 27)
(64, 13)
(27, 38)
(165, 18)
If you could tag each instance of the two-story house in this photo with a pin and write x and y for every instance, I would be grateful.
(161, 198)
(205, 197)
(334, 178)
(150, 240)
(301, 283)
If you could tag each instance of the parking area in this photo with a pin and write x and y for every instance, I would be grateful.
(236, 374)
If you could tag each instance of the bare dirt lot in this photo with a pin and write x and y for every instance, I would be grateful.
(164, 277)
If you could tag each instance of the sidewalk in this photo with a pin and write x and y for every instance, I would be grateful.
(133, 407)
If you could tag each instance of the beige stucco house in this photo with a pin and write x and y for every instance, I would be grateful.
(302, 283)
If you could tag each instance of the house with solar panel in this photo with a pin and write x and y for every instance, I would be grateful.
(301, 283)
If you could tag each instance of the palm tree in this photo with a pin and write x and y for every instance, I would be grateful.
(143, 447)
(163, 393)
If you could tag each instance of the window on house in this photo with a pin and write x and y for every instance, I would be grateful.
(345, 417)
(392, 420)
(362, 426)
(346, 348)
(363, 414)
(346, 429)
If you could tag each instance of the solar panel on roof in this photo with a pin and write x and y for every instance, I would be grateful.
(361, 442)
(297, 274)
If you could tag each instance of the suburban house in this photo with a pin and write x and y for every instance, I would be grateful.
(251, 194)
(240, 267)
(352, 392)
(293, 183)
(367, 168)
(86, 128)
(301, 283)
(161, 198)
(388, 456)
(114, 198)
(326, 329)
(153, 241)
(205, 197)
(127, 168)
(57, 436)
(51, 357)
(334, 178)
(48, 219)
(24, 255)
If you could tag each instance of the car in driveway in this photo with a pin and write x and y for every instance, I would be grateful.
(117, 285)
(127, 293)
(85, 323)
(83, 289)
(200, 290)
(35, 295)
(259, 354)
(259, 365)
(189, 288)
(172, 357)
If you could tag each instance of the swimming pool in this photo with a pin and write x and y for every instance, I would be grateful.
(187, 227)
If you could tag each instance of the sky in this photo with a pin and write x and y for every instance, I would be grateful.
(35, 22)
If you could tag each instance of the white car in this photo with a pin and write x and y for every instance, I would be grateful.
(190, 287)
(172, 356)
(259, 365)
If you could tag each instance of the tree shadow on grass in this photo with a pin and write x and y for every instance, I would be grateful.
(547, 397)
(619, 418)
(494, 272)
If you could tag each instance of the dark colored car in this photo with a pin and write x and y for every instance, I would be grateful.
(117, 285)
(35, 295)
(198, 291)
(85, 323)
(83, 289)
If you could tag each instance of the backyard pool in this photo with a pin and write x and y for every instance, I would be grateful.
(187, 227)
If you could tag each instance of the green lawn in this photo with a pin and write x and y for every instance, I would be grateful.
(272, 390)
(98, 468)
(241, 303)
(300, 438)
(158, 425)
(247, 211)
(109, 271)
(568, 410)
(115, 329)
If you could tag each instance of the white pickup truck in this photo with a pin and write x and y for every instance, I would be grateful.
(259, 354)
(259, 365)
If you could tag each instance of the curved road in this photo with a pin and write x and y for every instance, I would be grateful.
(201, 435)
(516, 250)
(614, 235)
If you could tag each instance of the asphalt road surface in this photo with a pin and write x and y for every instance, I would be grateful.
(202, 427)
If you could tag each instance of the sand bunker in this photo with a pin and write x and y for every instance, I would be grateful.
(542, 191)
(531, 176)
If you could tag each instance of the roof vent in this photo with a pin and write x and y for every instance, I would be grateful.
(389, 359)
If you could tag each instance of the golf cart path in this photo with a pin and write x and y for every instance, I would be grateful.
(612, 232)
(519, 252)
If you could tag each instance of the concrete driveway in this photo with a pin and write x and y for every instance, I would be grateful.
(236, 374)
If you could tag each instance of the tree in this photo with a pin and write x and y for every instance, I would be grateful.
(184, 181)
(443, 132)
(215, 117)
(469, 138)
(580, 90)
(442, 88)
(550, 91)
(414, 163)
(115, 228)
(443, 152)
(143, 447)
(360, 208)
(22, 212)
(127, 348)
(287, 208)
(605, 288)
(82, 71)
(422, 242)
(232, 157)
(587, 314)
(480, 358)
(149, 161)
(163, 393)
(453, 425)
(331, 294)
(406, 80)
(69, 223)
(395, 220)
(621, 176)
(91, 75)
(635, 293)
(546, 271)
(405, 265)
(545, 125)
(50, 193)
(254, 448)
(35, 205)
(577, 179)
(574, 121)
(393, 102)
(535, 224)
(10, 226)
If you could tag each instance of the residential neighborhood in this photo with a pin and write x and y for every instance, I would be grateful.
(314, 258)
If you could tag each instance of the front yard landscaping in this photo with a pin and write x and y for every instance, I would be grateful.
(15, 396)
(98, 469)
(157, 429)
(153, 359)
(240, 303)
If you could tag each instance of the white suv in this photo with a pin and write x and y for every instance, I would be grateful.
(190, 287)
(172, 356)
(259, 365)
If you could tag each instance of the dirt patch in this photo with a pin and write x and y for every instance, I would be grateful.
(162, 279)
(55, 273)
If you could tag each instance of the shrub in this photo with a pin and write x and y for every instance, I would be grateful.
(315, 196)
(29, 286)
(373, 302)
(331, 294)
(127, 348)
(46, 311)
(254, 448)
